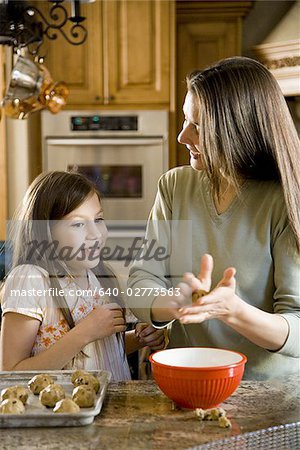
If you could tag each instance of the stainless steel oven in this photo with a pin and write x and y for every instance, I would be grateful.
(123, 152)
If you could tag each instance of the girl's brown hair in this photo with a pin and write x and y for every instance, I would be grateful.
(246, 129)
(49, 198)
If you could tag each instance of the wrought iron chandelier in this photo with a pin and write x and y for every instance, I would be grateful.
(22, 24)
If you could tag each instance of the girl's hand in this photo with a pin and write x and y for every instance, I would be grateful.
(103, 321)
(220, 303)
(149, 336)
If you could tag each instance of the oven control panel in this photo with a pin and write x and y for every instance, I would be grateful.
(104, 123)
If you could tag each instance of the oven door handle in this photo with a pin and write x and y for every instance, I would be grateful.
(105, 141)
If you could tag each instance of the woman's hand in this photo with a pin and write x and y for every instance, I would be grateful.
(103, 321)
(267, 330)
(165, 308)
(220, 303)
(150, 336)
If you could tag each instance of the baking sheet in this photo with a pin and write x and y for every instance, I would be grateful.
(37, 415)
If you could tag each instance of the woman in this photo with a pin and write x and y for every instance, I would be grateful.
(238, 201)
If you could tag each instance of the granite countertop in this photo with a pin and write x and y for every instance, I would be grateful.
(136, 415)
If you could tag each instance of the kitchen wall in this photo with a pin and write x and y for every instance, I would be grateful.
(288, 27)
(263, 17)
(23, 151)
(17, 161)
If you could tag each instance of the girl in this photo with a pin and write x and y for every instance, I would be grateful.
(55, 311)
(240, 195)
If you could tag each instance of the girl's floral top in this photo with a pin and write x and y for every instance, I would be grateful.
(27, 291)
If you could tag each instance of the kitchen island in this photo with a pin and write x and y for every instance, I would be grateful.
(136, 415)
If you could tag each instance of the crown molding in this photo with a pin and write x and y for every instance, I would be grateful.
(212, 7)
(283, 60)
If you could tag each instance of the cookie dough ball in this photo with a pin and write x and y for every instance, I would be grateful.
(39, 382)
(51, 394)
(198, 294)
(200, 413)
(224, 422)
(19, 392)
(84, 396)
(66, 406)
(12, 406)
(87, 380)
(77, 374)
(214, 414)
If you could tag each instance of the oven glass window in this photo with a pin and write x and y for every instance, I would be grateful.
(114, 181)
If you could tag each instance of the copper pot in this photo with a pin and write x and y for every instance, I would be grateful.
(20, 109)
(54, 96)
(31, 89)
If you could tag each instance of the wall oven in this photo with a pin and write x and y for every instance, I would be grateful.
(123, 152)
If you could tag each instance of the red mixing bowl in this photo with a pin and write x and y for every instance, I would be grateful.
(198, 377)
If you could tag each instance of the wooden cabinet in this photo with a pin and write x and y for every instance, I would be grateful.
(125, 60)
(206, 32)
(137, 47)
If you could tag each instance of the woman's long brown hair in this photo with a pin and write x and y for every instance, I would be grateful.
(246, 129)
(49, 198)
